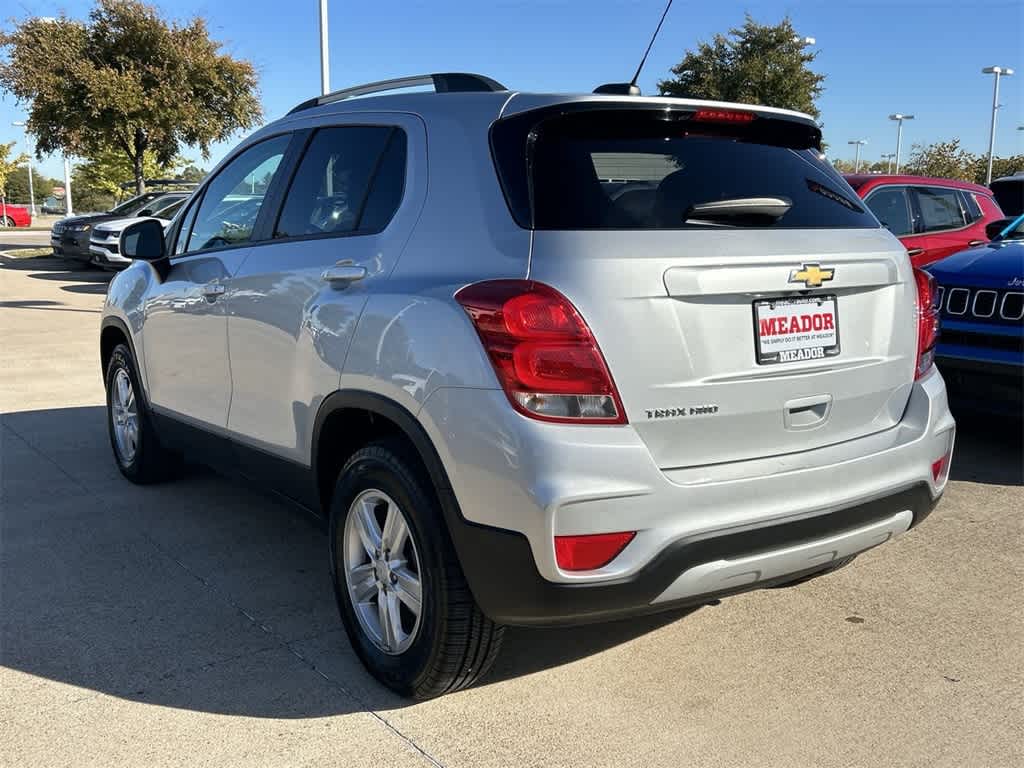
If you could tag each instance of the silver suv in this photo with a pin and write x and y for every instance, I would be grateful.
(538, 359)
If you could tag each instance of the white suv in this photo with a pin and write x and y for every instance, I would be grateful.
(540, 359)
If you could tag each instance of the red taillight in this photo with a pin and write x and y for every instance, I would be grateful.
(927, 322)
(543, 352)
(585, 553)
(723, 116)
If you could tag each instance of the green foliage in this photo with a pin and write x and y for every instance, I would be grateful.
(1001, 166)
(17, 185)
(943, 159)
(108, 170)
(948, 160)
(755, 64)
(126, 80)
(8, 164)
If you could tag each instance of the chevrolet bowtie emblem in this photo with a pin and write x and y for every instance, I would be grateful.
(811, 275)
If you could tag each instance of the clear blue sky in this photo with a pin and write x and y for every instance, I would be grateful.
(881, 56)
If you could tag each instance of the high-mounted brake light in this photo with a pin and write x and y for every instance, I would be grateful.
(723, 116)
(543, 352)
(585, 553)
(927, 307)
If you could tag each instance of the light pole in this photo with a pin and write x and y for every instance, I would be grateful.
(325, 68)
(69, 210)
(856, 162)
(899, 134)
(888, 156)
(998, 72)
(31, 190)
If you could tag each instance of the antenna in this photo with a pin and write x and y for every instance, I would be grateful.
(651, 44)
(631, 88)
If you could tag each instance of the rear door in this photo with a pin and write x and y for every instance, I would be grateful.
(746, 302)
(944, 224)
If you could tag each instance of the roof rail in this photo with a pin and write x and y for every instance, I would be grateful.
(443, 82)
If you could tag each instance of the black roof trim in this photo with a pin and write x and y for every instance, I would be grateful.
(443, 82)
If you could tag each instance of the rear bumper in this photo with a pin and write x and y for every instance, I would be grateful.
(519, 483)
(509, 589)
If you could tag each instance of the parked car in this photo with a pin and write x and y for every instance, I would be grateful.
(104, 244)
(981, 350)
(1009, 193)
(14, 216)
(933, 218)
(70, 236)
(516, 400)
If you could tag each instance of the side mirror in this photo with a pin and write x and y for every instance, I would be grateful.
(993, 228)
(143, 240)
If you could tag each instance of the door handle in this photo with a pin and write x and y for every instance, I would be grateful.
(344, 274)
(973, 243)
(912, 252)
(213, 290)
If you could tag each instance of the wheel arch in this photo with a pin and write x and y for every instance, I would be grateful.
(348, 419)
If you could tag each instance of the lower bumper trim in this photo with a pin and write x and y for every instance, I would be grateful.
(505, 581)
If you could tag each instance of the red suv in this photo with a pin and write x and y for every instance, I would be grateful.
(933, 218)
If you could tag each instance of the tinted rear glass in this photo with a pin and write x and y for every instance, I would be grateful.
(652, 169)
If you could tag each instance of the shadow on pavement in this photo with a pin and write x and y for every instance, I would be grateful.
(198, 594)
(989, 449)
(202, 594)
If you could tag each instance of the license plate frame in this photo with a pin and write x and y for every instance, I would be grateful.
(794, 350)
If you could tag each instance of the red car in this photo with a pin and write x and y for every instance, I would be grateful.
(933, 218)
(14, 216)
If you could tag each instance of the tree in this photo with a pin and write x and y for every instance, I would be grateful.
(109, 170)
(8, 164)
(943, 159)
(17, 185)
(191, 172)
(1001, 166)
(126, 80)
(843, 166)
(755, 63)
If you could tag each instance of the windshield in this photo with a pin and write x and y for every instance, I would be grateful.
(134, 204)
(636, 169)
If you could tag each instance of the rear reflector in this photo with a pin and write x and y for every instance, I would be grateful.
(585, 553)
(723, 116)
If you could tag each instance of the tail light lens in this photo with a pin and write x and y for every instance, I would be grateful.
(544, 354)
(927, 321)
(585, 553)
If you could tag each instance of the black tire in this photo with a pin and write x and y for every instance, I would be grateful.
(150, 462)
(456, 644)
(7, 222)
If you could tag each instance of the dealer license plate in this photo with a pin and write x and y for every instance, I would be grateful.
(794, 330)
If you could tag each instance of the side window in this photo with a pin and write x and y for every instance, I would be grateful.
(971, 206)
(940, 209)
(232, 200)
(331, 192)
(892, 207)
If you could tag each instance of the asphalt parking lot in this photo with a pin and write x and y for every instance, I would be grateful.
(193, 623)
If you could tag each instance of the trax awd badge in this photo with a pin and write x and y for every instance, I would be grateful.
(811, 275)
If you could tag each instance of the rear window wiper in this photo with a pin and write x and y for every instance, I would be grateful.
(753, 209)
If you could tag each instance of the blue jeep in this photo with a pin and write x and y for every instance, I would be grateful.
(981, 349)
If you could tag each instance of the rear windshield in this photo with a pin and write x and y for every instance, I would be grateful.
(660, 169)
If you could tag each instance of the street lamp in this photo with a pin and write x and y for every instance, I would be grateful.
(31, 190)
(859, 143)
(998, 72)
(888, 156)
(325, 69)
(899, 134)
